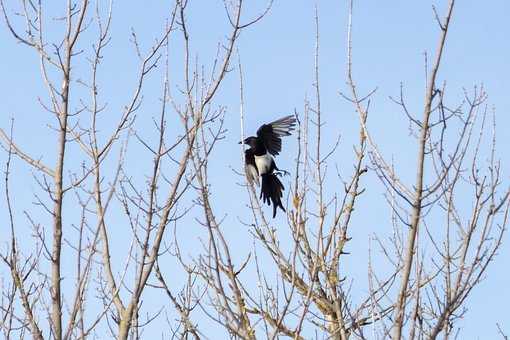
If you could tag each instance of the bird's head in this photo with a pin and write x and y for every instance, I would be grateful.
(250, 141)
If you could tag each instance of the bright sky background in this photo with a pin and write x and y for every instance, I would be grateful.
(389, 41)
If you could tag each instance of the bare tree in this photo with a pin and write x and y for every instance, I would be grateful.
(94, 186)
(311, 292)
(70, 281)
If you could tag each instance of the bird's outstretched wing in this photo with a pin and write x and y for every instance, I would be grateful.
(271, 133)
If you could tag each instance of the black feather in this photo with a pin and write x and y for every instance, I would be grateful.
(272, 191)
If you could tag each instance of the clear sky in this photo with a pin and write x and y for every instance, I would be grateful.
(389, 41)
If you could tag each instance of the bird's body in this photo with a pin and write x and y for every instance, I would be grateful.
(265, 164)
(260, 162)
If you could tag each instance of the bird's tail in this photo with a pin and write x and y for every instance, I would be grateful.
(272, 191)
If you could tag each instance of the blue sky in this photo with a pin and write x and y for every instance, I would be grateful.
(389, 41)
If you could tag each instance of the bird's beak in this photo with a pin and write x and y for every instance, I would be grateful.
(241, 142)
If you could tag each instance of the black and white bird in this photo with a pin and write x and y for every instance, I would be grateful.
(260, 162)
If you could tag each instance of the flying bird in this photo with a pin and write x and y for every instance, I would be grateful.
(260, 162)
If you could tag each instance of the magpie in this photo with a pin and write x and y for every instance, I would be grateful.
(260, 162)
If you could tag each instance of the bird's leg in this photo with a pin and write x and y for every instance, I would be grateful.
(280, 171)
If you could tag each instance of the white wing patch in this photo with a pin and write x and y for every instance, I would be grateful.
(283, 126)
(252, 174)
